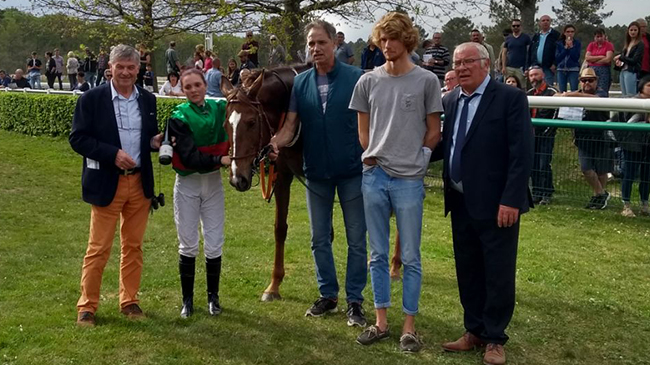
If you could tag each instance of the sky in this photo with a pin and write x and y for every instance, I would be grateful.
(625, 11)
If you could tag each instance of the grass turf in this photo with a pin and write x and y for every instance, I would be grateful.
(583, 287)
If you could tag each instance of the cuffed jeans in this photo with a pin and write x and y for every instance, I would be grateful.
(567, 76)
(383, 194)
(320, 202)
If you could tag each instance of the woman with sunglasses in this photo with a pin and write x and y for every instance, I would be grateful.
(201, 148)
(599, 56)
(567, 59)
(629, 61)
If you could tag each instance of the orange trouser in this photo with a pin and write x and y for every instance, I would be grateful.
(131, 206)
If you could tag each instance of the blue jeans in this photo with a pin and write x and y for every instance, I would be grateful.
(383, 194)
(542, 175)
(628, 83)
(90, 78)
(320, 202)
(35, 80)
(633, 162)
(549, 77)
(567, 76)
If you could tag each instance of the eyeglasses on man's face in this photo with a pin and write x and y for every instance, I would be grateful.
(516, 25)
(588, 80)
(466, 62)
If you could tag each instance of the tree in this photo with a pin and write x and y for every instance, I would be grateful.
(295, 13)
(456, 31)
(526, 11)
(581, 12)
(501, 15)
(153, 19)
(70, 33)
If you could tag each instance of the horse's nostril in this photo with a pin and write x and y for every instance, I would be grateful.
(242, 184)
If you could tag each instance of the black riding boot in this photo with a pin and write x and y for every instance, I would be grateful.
(186, 269)
(213, 272)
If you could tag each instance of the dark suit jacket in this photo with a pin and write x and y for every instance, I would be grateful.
(497, 157)
(548, 57)
(94, 135)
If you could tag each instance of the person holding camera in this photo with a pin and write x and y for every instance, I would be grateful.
(114, 128)
(200, 149)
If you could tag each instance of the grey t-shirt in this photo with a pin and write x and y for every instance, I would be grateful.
(323, 89)
(343, 52)
(398, 107)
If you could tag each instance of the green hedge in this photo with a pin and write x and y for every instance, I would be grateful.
(43, 114)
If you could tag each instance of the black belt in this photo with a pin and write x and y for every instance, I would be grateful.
(132, 171)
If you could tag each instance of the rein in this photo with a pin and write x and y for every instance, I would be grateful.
(268, 186)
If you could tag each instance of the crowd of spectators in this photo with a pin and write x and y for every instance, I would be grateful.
(547, 62)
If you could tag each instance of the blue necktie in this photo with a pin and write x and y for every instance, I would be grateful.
(460, 139)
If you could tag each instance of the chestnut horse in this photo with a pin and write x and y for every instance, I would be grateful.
(253, 116)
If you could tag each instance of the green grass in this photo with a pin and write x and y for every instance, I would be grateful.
(583, 293)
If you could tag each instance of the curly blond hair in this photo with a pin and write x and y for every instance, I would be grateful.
(397, 26)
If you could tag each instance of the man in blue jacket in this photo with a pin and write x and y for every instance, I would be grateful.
(542, 49)
(332, 162)
(114, 128)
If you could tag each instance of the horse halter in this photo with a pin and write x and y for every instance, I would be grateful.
(261, 118)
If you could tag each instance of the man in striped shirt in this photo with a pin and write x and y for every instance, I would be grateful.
(436, 58)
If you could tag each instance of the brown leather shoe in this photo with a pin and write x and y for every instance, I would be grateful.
(467, 342)
(132, 311)
(86, 319)
(494, 354)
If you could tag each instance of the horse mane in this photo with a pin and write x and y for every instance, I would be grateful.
(298, 67)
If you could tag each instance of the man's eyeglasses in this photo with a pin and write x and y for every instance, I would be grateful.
(466, 62)
(516, 25)
(588, 80)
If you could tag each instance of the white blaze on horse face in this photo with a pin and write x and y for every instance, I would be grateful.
(234, 119)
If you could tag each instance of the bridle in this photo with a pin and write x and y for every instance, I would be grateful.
(261, 118)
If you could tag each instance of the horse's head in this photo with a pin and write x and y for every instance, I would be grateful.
(248, 129)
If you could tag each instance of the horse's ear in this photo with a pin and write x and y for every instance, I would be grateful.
(257, 85)
(226, 85)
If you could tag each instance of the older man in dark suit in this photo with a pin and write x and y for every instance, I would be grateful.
(114, 128)
(488, 157)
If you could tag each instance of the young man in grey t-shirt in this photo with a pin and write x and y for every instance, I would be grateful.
(399, 106)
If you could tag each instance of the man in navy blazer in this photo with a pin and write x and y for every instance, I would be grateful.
(114, 128)
(488, 156)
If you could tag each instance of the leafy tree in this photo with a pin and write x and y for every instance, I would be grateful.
(456, 31)
(153, 19)
(581, 12)
(526, 11)
(295, 13)
(501, 15)
(52, 31)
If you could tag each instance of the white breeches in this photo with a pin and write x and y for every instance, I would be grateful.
(199, 198)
